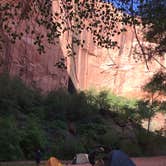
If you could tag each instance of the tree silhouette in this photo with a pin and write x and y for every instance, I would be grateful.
(156, 89)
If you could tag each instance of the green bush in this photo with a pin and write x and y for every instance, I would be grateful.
(67, 148)
(150, 143)
(30, 120)
(110, 138)
(15, 97)
(131, 148)
(32, 138)
(56, 104)
(79, 107)
(90, 134)
(9, 140)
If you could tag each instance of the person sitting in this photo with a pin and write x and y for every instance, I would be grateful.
(113, 157)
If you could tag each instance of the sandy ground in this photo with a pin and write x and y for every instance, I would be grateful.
(142, 161)
(150, 161)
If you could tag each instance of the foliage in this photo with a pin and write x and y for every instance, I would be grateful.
(32, 138)
(56, 104)
(22, 133)
(156, 88)
(69, 148)
(43, 122)
(103, 100)
(144, 109)
(18, 101)
(16, 97)
(72, 17)
(157, 84)
(111, 138)
(9, 140)
(150, 143)
(153, 16)
(132, 148)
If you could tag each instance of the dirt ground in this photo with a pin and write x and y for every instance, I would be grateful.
(142, 161)
(150, 161)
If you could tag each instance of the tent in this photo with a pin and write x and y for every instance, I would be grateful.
(80, 158)
(53, 161)
(119, 158)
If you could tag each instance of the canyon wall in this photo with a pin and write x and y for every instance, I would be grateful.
(119, 70)
(23, 60)
(92, 67)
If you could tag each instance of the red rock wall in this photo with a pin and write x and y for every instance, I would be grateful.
(115, 69)
(93, 67)
(22, 59)
(35, 69)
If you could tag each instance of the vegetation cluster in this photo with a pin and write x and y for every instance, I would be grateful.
(63, 124)
(60, 123)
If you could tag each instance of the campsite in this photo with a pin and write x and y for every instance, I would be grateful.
(82, 83)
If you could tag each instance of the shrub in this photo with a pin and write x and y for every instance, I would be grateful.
(9, 140)
(32, 138)
(110, 138)
(81, 107)
(56, 104)
(68, 147)
(131, 148)
(16, 97)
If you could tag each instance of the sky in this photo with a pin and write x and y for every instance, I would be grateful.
(124, 5)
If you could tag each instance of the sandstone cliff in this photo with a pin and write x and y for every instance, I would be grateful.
(92, 67)
(116, 69)
(121, 70)
(23, 60)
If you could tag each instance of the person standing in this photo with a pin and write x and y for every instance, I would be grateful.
(38, 157)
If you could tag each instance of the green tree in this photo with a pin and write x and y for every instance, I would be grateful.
(16, 97)
(156, 89)
(9, 140)
(32, 137)
(153, 16)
